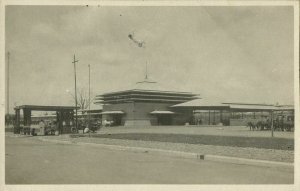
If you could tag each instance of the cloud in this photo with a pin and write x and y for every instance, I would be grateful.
(229, 52)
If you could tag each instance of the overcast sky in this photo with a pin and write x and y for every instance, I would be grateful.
(237, 54)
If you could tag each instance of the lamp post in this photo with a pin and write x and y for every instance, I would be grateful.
(76, 118)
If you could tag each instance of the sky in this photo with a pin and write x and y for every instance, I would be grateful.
(235, 54)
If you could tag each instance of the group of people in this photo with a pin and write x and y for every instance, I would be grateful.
(46, 128)
(52, 127)
(87, 126)
(280, 123)
(198, 122)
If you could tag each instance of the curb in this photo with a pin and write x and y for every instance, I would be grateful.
(255, 162)
(56, 141)
(144, 150)
(180, 154)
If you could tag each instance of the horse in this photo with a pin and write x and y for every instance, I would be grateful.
(267, 124)
(251, 126)
(276, 125)
(107, 123)
(95, 126)
(288, 125)
(260, 125)
(263, 125)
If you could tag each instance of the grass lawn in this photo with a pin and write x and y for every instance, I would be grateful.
(256, 142)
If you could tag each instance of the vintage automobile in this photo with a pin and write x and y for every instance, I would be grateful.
(48, 129)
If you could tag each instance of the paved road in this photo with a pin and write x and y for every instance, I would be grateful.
(30, 161)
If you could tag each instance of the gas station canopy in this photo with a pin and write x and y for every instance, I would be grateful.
(64, 114)
(45, 108)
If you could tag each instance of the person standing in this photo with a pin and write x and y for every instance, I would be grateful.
(42, 127)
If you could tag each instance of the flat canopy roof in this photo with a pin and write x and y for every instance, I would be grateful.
(112, 112)
(148, 86)
(202, 104)
(45, 107)
(148, 92)
(162, 112)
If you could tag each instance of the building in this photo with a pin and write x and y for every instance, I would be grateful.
(146, 103)
(208, 112)
(149, 103)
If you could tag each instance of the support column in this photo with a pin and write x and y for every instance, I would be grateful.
(229, 116)
(70, 121)
(27, 117)
(17, 122)
(64, 121)
(59, 121)
(208, 117)
(72, 118)
(221, 116)
(214, 122)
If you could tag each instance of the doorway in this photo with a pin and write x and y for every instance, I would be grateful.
(164, 119)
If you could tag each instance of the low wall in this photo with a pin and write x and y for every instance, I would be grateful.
(238, 122)
(137, 123)
(242, 122)
(9, 129)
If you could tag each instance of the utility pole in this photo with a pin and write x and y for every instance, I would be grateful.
(76, 118)
(7, 81)
(89, 115)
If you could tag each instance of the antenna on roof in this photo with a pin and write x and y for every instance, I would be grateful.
(146, 80)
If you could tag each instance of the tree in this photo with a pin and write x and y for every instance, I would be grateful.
(83, 103)
(82, 99)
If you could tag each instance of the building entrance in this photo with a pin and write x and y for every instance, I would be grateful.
(117, 120)
(164, 119)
